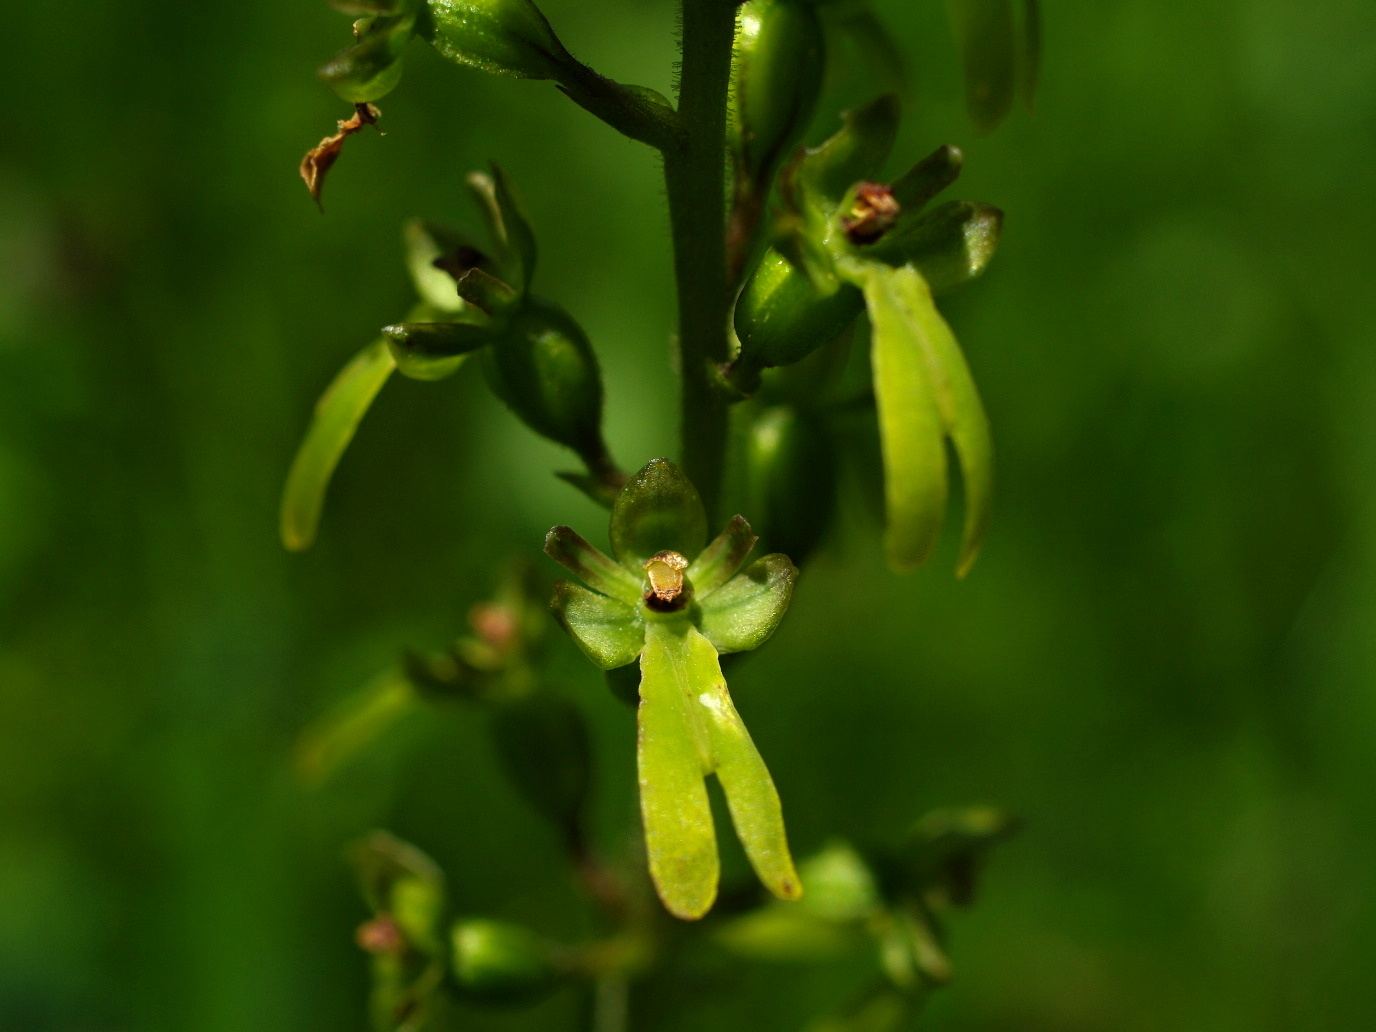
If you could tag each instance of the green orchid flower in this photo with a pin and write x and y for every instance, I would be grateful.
(849, 246)
(676, 606)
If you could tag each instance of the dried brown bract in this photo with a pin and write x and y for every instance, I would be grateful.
(322, 156)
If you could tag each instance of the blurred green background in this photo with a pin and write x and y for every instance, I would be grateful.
(1159, 661)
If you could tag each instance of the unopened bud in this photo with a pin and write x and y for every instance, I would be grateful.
(544, 368)
(777, 78)
(501, 962)
(505, 37)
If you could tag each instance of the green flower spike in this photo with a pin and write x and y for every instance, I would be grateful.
(676, 606)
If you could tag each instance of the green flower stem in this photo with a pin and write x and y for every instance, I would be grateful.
(694, 173)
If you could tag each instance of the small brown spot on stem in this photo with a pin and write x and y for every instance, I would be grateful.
(322, 156)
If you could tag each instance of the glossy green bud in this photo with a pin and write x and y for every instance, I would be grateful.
(793, 476)
(370, 68)
(782, 316)
(776, 79)
(500, 962)
(505, 37)
(544, 368)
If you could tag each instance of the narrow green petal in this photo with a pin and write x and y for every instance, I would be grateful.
(750, 793)
(659, 509)
(672, 756)
(570, 550)
(721, 559)
(337, 415)
(745, 611)
(609, 632)
(910, 428)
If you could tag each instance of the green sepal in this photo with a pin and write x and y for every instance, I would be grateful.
(924, 394)
(433, 350)
(336, 418)
(504, 37)
(501, 962)
(543, 745)
(483, 290)
(689, 727)
(544, 368)
(609, 632)
(987, 38)
(349, 727)
(934, 173)
(856, 151)
(570, 550)
(720, 560)
(776, 77)
(658, 510)
(483, 189)
(746, 610)
(371, 68)
(519, 233)
(951, 245)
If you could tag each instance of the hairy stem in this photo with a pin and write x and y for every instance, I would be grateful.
(695, 172)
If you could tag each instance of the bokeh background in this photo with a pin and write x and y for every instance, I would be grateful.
(1163, 661)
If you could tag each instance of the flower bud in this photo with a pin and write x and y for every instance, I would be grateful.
(544, 368)
(370, 68)
(782, 316)
(777, 77)
(793, 474)
(500, 962)
(505, 37)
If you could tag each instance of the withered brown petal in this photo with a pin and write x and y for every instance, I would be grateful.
(322, 156)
